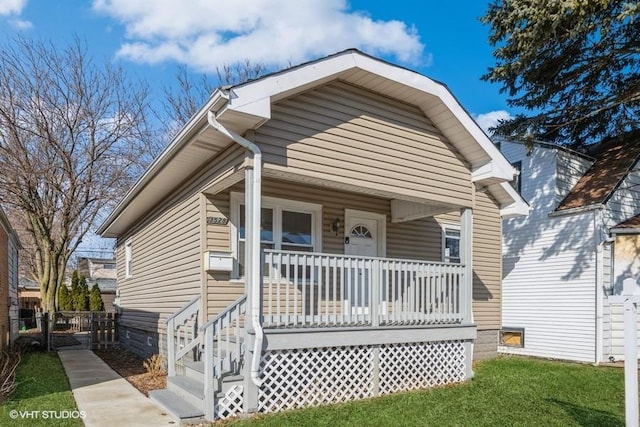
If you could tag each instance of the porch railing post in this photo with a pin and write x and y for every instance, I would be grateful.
(466, 258)
(376, 277)
(209, 393)
(171, 348)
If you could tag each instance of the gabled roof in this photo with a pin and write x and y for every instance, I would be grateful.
(247, 106)
(630, 226)
(615, 157)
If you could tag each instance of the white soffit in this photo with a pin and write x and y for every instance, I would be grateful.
(511, 203)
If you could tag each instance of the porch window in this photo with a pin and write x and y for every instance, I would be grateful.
(285, 225)
(451, 243)
(516, 183)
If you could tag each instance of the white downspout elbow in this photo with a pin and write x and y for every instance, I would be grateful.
(254, 244)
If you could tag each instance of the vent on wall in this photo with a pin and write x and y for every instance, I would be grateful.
(512, 337)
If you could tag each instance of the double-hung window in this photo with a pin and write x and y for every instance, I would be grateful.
(284, 225)
(451, 243)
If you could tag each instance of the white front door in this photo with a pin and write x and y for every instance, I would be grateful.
(364, 234)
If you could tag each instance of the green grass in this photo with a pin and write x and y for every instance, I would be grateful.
(507, 391)
(42, 386)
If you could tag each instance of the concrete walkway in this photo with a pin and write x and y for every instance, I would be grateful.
(106, 397)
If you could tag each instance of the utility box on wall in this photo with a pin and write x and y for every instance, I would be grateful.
(218, 261)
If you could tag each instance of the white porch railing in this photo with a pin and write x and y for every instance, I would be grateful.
(223, 341)
(315, 289)
(182, 335)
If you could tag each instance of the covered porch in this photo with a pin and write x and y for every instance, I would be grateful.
(330, 311)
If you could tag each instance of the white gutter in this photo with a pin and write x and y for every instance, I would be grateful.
(253, 195)
(573, 211)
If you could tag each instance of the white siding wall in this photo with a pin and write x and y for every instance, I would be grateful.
(569, 169)
(549, 266)
(625, 201)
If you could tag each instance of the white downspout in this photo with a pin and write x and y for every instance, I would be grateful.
(600, 241)
(253, 241)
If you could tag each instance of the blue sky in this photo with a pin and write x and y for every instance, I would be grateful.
(443, 40)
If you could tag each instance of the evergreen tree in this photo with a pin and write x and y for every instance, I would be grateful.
(573, 65)
(75, 289)
(95, 299)
(81, 293)
(85, 293)
(65, 302)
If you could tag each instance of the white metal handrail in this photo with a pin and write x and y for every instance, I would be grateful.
(182, 334)
(304, 289)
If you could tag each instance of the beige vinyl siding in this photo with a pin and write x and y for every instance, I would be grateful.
(346, 135)
(419, 239)
(166, 246)
(487, 262)
(165, 269)
(487, 259)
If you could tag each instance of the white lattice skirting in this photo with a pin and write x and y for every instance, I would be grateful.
(230, 404)
(309, 377)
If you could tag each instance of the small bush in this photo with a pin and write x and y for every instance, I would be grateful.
(154, 365)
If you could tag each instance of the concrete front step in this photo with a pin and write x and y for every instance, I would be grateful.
(189, 389)
(179, 409)
(194, 369)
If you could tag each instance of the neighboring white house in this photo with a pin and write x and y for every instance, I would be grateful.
(103, 272)
(559, 265)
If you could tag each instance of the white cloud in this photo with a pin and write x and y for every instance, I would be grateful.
(12, 7)
(209, 33)
(21, 24)
(491, 119)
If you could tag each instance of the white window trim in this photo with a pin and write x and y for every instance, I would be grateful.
(128, 258)
(278, 205)
(445, 227)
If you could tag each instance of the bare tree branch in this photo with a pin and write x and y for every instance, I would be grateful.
(71, 137)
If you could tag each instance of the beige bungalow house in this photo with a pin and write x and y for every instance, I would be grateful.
(325, 233)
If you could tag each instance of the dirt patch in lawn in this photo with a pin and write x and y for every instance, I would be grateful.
(130, 367)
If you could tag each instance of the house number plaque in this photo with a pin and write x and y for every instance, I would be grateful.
(217, 220)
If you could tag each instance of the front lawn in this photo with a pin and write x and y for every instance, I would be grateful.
(508, 391)
(43, 396)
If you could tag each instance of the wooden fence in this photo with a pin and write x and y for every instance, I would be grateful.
(104, 330)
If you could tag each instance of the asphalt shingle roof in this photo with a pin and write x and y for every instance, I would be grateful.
(614, 159)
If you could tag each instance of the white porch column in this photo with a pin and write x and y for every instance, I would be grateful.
(466, 258)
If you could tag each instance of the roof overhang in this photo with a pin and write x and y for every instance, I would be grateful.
(248, 105)
(511, 203)
(625, 230)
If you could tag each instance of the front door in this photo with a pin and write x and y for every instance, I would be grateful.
(363, 234)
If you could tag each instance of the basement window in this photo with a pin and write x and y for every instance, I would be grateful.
(512, 337)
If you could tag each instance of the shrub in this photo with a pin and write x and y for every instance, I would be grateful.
(154, 365)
